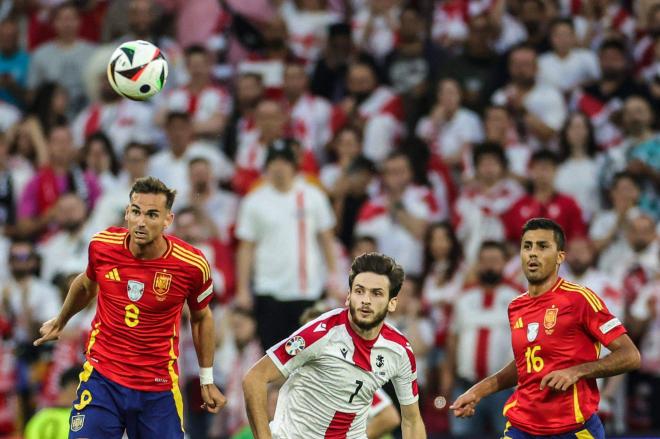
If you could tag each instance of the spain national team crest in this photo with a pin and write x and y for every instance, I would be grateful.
(294, 345)
(135, 290)
(77, 422)
(162, 282)
(532, 331)
(550, 319)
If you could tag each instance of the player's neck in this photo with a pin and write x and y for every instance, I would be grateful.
(368, 334)
(154, 250)
(536, 290)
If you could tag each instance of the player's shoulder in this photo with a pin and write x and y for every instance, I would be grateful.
(519, 301)
(110, 237)
(399, 343)
(189, 256)
(580, 295)
(325, 323)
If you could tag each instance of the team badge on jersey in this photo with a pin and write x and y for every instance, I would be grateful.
(294, 345)
(77, 422)
(550, 319)
(532, 331)
(162, 283)
(380, 361)
(135, 290)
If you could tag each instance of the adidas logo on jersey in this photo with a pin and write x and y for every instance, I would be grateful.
(519, 323)
(113, 275)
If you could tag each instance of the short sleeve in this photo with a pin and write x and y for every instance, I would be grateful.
(597, 319)
(201, 292)
(90, 272)
(247, 224)
(405, 382)
(325, 215)
(301, 347)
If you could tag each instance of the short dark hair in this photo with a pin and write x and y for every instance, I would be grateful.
(144, 147)
(152, 185)
(613, 43)
(544, 155)
(195, 49)
(380, 264)
(626, 175)
(489, 148)
(568, 21)
(493, 244)
(546, 224)
(174, 115)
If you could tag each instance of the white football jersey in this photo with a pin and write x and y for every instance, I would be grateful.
(332, 375)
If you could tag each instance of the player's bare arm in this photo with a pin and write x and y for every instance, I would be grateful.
(81, 292)
(623, 357)
(505, 378)
(384, 422)
(412, 426)
(244, 261)
(255, 390)
(203, 332)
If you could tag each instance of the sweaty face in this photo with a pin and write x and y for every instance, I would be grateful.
(147, 216)
(368, 300)
(539, 255)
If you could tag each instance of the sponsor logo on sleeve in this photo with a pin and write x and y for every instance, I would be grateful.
(294, 345)
(608, 326)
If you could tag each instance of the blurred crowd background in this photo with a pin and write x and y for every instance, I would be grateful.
(300, 133)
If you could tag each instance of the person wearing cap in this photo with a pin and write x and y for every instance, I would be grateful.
(285, 227)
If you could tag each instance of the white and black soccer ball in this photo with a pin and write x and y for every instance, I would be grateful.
(137, 70)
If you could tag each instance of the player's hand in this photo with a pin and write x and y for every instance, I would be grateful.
(50, 330)
(213, 399)
(560, 379)
(465, 405)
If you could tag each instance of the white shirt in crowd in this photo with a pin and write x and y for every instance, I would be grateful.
(580, 66)
(41, 304)
(393, 238)
(310, 120)
(285, 227)
(476, 311)
(447, 140)
(210, 101)
(579, 179)
(61, 250)
(648, 302)
(329, 367)
(307, 29)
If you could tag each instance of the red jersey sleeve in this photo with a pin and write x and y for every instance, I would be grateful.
(597, 319)
(201, 291)
(90, 272)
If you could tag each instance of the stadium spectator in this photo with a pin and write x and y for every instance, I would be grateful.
(479, 338)
(374, 109)
(399, 215)
(480, 205)
(98, 157)
(209, 105)
(53, 422)
(309, 115)
(499, 128)
(63, 60)
(450, 129)
(567, 66)
(14, 61)
(577, 175)
(544, 201)
(70, 242)
(537, 108)
(307, 23)
(61, 175)
(285, 227)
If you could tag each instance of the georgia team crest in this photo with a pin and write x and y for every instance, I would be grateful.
(294, 345)
(550, 319)
(77, 422)
(532, 331)
(162, 282)
(135, 290)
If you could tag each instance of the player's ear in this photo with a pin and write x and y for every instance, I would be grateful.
(169, 219)
(561, 255)
(126, 212)
(391, 305)
(348, 298)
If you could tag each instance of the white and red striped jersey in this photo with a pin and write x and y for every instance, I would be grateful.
(606, 133)
(201, 106)
(382, 112)
(307, 30)
(332, 375)
(311, 122)
(123, 122)
(393, 238)
(285, 227)
(380, 402)
(481, 323)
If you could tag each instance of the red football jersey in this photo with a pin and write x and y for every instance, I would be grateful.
(563, 327)
(135, 333)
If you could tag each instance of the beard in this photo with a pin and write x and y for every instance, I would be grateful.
(71, 226)
(490, 277)
(366, 325)
(613, 74)
(21, 273)
(578, 268)
(537, 278)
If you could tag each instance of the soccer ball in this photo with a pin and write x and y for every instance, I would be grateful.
(137, 70)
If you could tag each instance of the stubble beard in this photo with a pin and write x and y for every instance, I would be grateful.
(376, 320)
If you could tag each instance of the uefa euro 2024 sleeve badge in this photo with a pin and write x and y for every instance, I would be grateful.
(294, 345)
